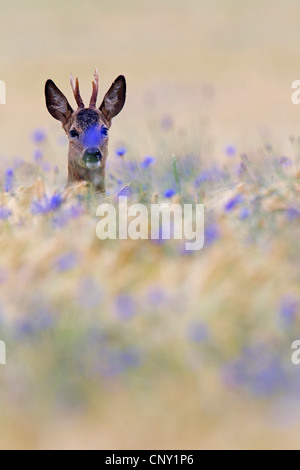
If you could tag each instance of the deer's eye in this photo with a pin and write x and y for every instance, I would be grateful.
(104, 131)
(73, 133)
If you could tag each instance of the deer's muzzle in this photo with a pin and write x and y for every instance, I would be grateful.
(92, 158)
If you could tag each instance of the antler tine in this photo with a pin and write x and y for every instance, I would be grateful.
(75, 88)
(95, 84)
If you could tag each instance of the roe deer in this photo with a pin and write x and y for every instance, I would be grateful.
(87, 128)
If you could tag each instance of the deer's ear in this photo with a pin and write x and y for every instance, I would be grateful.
(114, 99)
(57, 104)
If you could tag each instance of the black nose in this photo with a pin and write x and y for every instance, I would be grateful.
(92, 156)
(92, 153)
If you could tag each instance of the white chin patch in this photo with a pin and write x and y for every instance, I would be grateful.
(93, 165)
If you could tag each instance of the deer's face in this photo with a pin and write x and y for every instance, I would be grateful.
(86, 128)
(88, 139)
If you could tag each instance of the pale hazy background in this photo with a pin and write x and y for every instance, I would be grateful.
(223, 66)
(132, 345)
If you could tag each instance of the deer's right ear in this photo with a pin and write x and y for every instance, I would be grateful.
(57, 104)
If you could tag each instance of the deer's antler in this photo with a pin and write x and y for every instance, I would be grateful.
(75, 88)
(95, 84)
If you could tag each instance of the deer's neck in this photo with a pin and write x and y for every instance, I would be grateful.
(96, 177)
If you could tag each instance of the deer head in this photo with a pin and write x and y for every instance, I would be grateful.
(87, 128)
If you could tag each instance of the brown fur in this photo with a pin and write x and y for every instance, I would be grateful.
(80, 121)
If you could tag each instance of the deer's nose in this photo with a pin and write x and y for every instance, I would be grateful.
(92, 157)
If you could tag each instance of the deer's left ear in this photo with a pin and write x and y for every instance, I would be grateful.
(114, 99)
(57, 104)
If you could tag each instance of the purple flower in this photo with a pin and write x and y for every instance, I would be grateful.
(197, 332)
(37, 155)
(46, 166)
(38, 322)
(47, 205)
(90, 293)
(285, 162)
(211, 233)
(114, 362)
(9, 176)
(125, 306)
(293, 213)
(230, 150)
(55, 202)
(66, 262)
(39, 135)
(4, 213)
(130, 358)
(166, 123)
(3, 276)
(240, 169)
(169, 193)
(75, 210)
(202, 178)
(209, 175)
(160, 234)
(120, 151)
(288, 308)
(233, 202)
(244, 213)
(148, 160)
(156, 295)
(125, 191)
(18, 161)
(61, 219)
(257, 369)
(132, 166)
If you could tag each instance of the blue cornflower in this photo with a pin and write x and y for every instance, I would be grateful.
(39, 135)
(125, 191)
(211, 233)
(76, 210)
(156, 295)
(130, 358)
(46, 204)
(202, 178)
(46, 166)
(288, 308)
(37, 155)
(169, 193)
(240, 169)
(233, 202)
(197, 332)
(293, 213)
(244, 213)
(55, 202)
(40, 321)
(285, 161)
(9, 176)
(257, 369)
(125, 306)
(148, 160)
(66, 262)
(166, 123)
(62, 218)
(230, 150)
(120, 151)
(4, 213)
